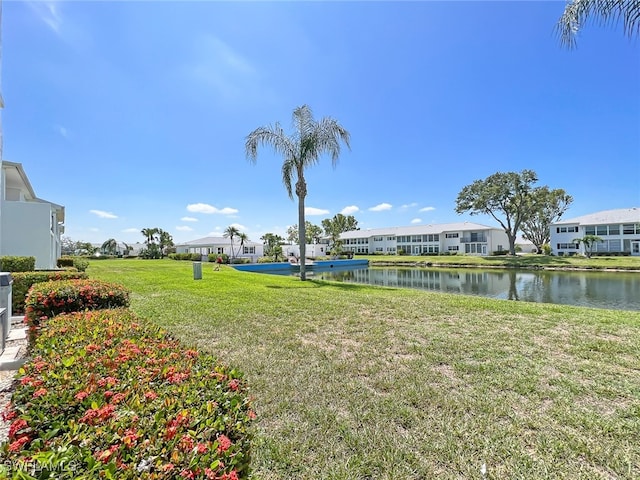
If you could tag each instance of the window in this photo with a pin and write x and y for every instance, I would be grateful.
(567, 246)
(249, 250)
(590, 230)
(391, 239)
(452, 248)
(601, 230)
(451, 235)
(614, 229)
(630, 229)
(220, 250)
(378, 239)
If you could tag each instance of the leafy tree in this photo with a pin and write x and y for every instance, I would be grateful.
(313, 233)
(502, 194)
(164, 240)
(300, 150)
(68, 246)
(231, 232)
(578, 12)
(110, 247)
(588, 241)
(272, 245)
(85, 248)
(292, 233)
(548, 207)
(334, 227)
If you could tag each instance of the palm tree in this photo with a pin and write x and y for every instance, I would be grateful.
(300, 150)
(110, 247)
(229, 233)
(577, 12)
(149, 233)
(243, 237)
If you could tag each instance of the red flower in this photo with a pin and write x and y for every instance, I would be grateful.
(201, 448)
(234, 384)
(16, 427)
(252, 415)
(223, 443)
(81, 396)
(40, 392)
(18, 444)
(186, 443)
(150, 395)
(9, 414)
(233, 475)
(186, 473)
(167, 467)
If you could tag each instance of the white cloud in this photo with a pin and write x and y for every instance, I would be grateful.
(409, 205)
(62, 130)
(416, 220)
(131, 230)
(381, 207)
(242, 228)
(48, 12)
(427, 209)
(188, 219)
(103, 214)
(315, 211)
(184, 228)
(210, 209)
(225, 71)
(350, 210)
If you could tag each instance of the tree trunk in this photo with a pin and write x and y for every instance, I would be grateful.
(301, 192)
(512, 243)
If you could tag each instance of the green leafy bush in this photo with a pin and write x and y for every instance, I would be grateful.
(48, 299)
(22, 282)
(80, 264)
(213, 257)
(17, 264)
(65, 261)
(107, 395)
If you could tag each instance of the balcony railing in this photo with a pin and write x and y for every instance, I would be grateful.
(474, 239)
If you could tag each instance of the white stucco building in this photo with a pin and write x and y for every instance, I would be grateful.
(29, 226)
(462, 237)
(619, 230)
(222, 245)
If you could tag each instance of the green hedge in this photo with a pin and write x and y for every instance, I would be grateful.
(48, 299)
(22, 282)
(213, 257)
(196, 257)
(65, 261)
(107, 395)
(17, 264)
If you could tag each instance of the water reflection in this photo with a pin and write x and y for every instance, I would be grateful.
(612, 290)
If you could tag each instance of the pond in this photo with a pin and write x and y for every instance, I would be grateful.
(610, 290)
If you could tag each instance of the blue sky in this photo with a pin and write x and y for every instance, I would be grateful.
(134, 114)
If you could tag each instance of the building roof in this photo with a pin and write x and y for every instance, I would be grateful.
(206, 241)
(417, 230)
(621, 215)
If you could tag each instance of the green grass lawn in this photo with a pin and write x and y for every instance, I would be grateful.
(360, 382)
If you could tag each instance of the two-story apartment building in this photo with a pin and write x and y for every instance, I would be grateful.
(619, 231)
(462, 237)
(29, 226)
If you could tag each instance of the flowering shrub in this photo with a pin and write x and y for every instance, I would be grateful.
(48, 299)
(107, 395)
(22, 282)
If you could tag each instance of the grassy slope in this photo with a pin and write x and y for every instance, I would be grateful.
(357, 382)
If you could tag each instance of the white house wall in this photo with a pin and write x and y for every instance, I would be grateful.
(27, 231)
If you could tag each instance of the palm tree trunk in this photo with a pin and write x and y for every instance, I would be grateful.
(301, 191)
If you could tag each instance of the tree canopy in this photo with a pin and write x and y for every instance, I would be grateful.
(300, 150)
(548, 207)
(507, 197)
(334, 227)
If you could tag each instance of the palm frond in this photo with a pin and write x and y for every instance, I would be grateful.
(578, 12)
(271, 135)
